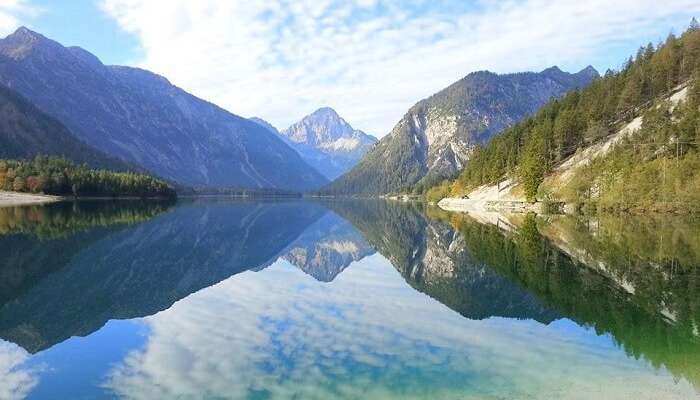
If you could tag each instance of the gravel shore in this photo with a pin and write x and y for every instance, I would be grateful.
(9, 199)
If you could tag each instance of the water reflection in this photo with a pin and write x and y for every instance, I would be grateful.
(16, 381)
(433, 258)
(327, 247)
(368, 335)
(636, 279)
(81, 280)
(39, 240)
(333, 303)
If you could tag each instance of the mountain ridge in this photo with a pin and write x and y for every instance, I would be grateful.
(627, 142)
(435, 138)
(141, 118)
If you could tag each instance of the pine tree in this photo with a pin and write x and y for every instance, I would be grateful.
(648, 52)
(631, 95)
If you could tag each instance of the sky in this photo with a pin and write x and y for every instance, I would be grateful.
(370, 60)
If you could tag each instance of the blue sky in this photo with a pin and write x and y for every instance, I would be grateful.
(369, 59)
(83, 23)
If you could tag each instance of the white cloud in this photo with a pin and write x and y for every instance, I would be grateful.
(12, 12)
(370, 59)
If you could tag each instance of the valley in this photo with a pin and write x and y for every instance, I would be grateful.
(519, 140)
(457, 200)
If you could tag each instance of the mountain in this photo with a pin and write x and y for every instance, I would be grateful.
(26, 131)
(627, 142)
(141, 118)
(436, 137)
(265, 124)
(326, 142)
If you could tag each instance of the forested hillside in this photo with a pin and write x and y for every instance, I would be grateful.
(435, 137)
(140, 117)
(659, 163)
(57, 176)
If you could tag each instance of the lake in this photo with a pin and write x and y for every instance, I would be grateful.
(218, 299)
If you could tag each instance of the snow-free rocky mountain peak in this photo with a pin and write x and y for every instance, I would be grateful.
(141, 118)
(323, 129)
(436, 136)
(327, 142)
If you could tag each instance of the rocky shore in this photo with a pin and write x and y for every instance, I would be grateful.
(9, 199)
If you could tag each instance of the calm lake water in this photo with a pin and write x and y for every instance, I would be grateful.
(344, 300)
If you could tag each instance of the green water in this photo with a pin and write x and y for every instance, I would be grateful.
(344, 300)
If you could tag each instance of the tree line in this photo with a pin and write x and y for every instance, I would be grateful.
(61, 177)
(529, 150)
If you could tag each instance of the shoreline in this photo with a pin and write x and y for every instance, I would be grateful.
(16, 199)
(12, 199)
(455, 204)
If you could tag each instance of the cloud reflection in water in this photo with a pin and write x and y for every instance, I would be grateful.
(280, 334)
(16, 380)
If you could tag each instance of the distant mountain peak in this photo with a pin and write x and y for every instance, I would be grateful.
(325, 114)
(22, 42)
(326, 111)
(327, 142)
(480, 73)
(589, 71)
(553, 68)
(25, 33)
(323, 125)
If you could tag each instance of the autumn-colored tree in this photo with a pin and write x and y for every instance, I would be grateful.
(33, 184)
(60, 177)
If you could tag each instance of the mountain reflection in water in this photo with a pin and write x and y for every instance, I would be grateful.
(334, 303)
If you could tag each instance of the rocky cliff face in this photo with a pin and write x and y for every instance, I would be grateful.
(327, 142)
(435, 138)
(141, 118)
